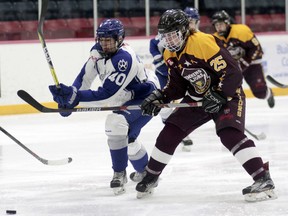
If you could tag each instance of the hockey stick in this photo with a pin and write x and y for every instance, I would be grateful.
(44, 6)
(260, 136)
(275, 82)
(34, 103)
(42, 160)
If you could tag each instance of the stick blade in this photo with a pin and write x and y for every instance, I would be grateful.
(34, 103)
(275, 82)
(30, 100)
(57, 162)
(261, 136)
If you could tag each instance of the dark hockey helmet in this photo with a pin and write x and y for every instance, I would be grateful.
(111, 28)
(192, 13)
(221, 16)
(173, 28)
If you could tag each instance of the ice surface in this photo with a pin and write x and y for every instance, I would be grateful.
(206, 181)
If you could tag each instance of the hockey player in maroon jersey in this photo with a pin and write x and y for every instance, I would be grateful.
(200, 70)
(161, 70)
(244, 47)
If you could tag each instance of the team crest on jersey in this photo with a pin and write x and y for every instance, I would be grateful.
(198, 78)
(122, 65)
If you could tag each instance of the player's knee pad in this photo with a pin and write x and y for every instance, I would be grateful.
(136, 150)
(116, 125)
(116, 128)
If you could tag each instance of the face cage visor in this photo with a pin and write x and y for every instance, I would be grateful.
(108, 45)
(220, 24)
(172, 41)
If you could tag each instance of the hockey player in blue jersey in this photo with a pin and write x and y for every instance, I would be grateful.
(161, 69)
(124, 82)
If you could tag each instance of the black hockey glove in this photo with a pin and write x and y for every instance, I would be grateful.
(213, 101)
(236, 52)
(149, 105)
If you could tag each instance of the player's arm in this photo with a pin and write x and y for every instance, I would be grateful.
(249, 42)
(156, 51)
(115, 82)
(229, 80)
(68, 96)
(222, 64)
(254, 51)
(142, 89)
(88, 72)
(86, 76)
(226, 68)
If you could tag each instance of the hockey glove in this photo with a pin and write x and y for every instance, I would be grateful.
(64, 114)
(66, 97)
(149, 105)
(236, 52)
(213, 101)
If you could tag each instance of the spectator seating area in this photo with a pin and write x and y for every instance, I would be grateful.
(73, 18)
(134, 26)
(69, 28)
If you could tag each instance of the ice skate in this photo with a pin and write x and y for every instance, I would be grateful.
(118, 182)
(271, 100)
(261, 189)
(147, 185)
(187, 144)
(137, 176)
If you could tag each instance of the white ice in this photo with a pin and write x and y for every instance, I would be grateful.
(206, 181)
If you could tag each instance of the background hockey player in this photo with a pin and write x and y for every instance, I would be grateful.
(200, 70)
(247, 51)
(161, 69)
(124, 81)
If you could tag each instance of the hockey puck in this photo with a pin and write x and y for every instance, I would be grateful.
(10, 211)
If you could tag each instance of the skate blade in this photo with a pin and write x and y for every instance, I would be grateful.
(141, 195)
(262, 196)
(119, 190)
